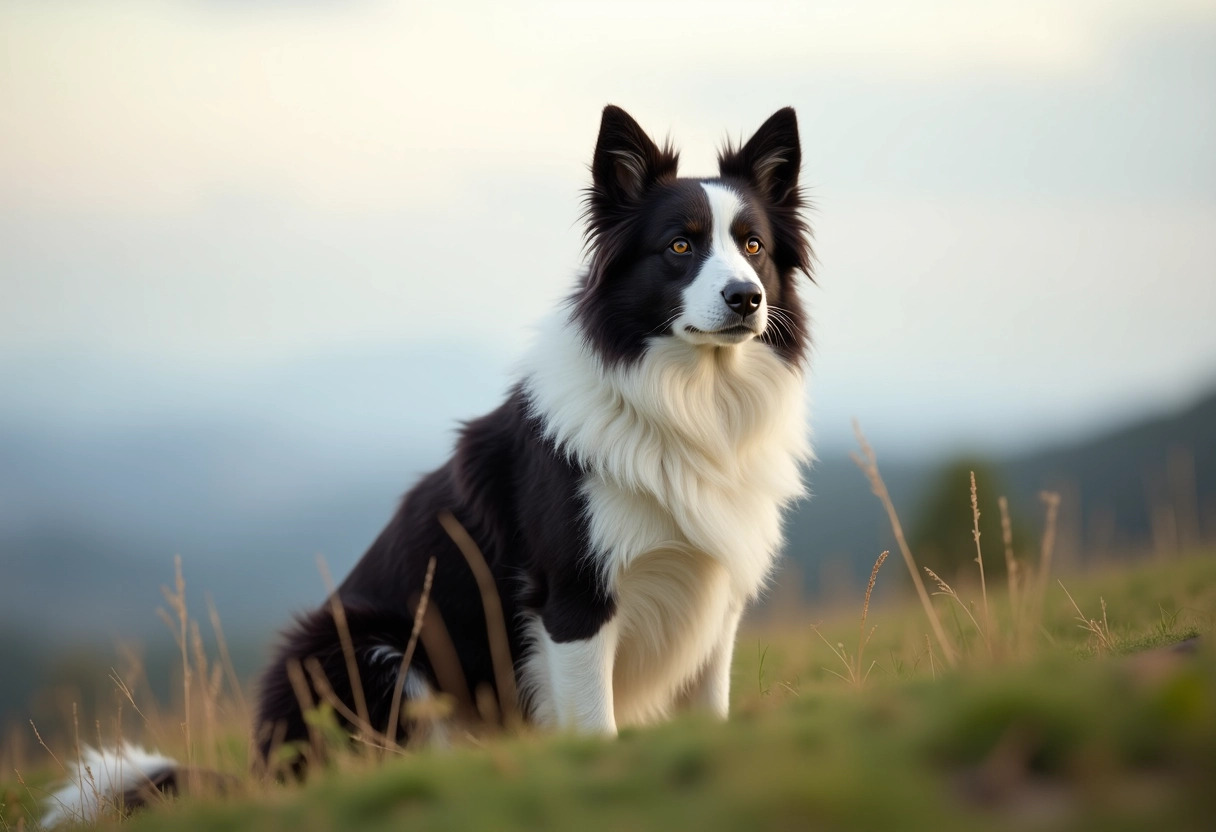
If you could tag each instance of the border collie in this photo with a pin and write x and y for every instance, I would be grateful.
(627, 496)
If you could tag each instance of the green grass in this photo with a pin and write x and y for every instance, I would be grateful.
(1070, 733)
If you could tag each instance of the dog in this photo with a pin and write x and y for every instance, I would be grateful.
(624, 504)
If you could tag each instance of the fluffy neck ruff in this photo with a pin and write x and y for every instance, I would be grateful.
(704, 431)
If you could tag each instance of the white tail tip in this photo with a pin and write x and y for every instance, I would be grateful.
(101, 777)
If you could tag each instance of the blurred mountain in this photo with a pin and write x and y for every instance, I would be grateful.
(1151, 483)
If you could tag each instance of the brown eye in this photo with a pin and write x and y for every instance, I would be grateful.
(752, 246)
(680, 246)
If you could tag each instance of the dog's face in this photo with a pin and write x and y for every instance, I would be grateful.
(711, 262)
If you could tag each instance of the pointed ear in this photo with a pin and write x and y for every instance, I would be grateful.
(770, 159)
(626, 162)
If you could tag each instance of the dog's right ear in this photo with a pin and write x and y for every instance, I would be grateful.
(626, 162)
(625, 166)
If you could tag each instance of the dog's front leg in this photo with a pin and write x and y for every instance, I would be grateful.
(581, 674)
(711, 689)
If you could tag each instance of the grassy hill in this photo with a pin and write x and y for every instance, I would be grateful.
(1089, 721)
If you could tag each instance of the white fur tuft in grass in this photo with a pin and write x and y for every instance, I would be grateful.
(100, 780)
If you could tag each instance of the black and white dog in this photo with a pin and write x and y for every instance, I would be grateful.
(628, 495)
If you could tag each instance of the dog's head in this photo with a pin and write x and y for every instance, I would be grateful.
(709, 261)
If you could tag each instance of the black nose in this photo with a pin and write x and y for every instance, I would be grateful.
(743, 296)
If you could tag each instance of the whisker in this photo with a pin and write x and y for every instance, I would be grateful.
(663, 325)
(784, 323)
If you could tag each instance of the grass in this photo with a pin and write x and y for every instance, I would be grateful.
(922, 755)
(1048, 705)
(1078, 735)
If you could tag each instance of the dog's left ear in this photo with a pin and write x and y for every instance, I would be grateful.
(770, 159)
(769, 162)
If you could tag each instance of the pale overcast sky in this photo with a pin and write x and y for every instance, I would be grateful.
(1016, 202)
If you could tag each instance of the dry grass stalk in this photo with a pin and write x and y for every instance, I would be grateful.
(196, 668)
(348, 647)
(88, 772)
(853, 664)
(122, 687)
(500, 648)
(979, 554)
(47, 748)
(862, 638)
(407, 657)
(1011, 564)
(869, 466)
(62, 768)
(180, 629)
(1047, 548)
(234, 682)
(210, 679)
(839, 652)
(303, 693)
(944, 588)
(1100, 630)
(320, 682)
(134, 678)
(441, 652)
(30, 820)
(362, 732)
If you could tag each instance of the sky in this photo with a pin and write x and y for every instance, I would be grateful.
(1015, 204)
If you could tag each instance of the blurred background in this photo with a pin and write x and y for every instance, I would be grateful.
(222, 224)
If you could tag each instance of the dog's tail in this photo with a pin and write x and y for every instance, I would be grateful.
(114, 781)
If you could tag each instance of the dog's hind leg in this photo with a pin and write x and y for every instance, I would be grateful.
(312, 668)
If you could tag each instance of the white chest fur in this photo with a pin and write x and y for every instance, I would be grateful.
(691, 454)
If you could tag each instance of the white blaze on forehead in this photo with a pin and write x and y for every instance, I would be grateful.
(724, 206)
